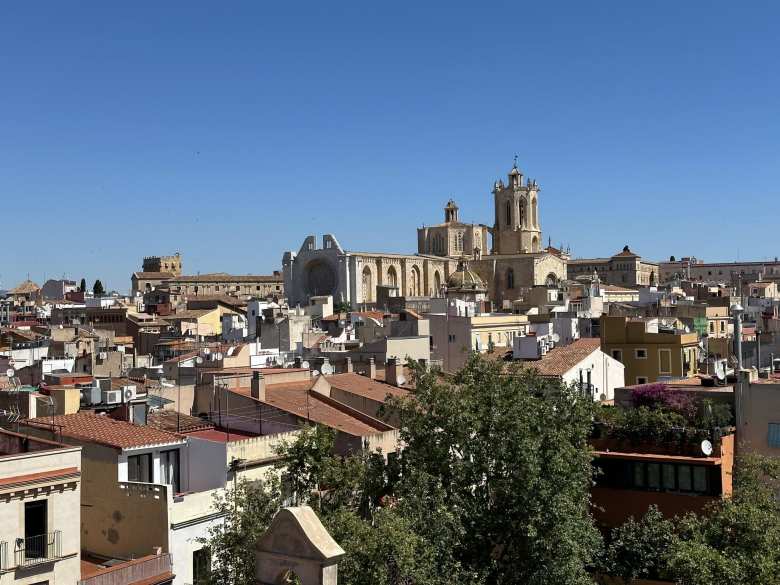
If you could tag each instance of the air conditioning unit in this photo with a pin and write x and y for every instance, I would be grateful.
(102, 355)
(112, 396)
(91, 395)
(128, 393)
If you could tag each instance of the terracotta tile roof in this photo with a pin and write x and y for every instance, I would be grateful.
(365, 386)
(297, 399)
(103, 430)
(560, 360)
(170, 420)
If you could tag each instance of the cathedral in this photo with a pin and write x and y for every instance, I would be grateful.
(516, 260)
(513, 262)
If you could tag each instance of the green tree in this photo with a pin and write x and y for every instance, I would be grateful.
(83, 285)
(305, 460)
(97, 288)
(509, 453)
(736, 540)
(248, 509)
(640, 549)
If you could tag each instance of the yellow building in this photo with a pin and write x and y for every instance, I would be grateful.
(647, 352)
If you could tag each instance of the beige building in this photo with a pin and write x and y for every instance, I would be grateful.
(452, 238)
(142, 488)
(691, 268)
(168, 264)
(647, 353)
(353, 277)
(40, 514)
(622, 269)
(516, 260)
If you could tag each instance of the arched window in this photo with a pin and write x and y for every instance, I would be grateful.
(510, 278)
(508, 211)
(551, 280)
(535, 216)
(436, 284)
(367, 283)
(414, 282)
(459, 242)
(521, 210)
(392, 277)
(535, 244)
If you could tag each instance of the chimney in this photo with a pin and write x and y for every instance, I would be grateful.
(258, 386)
(348, 365)
(371, 368)
(393, 371)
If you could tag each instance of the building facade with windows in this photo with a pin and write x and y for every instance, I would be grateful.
(622, 269)
(143, 488)
(647, 352)
(40, 510)
(353, 277)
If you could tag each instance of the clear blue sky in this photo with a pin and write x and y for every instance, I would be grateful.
(230, 130)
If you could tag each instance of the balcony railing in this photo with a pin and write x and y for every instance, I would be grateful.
(38, 549)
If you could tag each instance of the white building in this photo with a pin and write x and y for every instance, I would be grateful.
(584, 364)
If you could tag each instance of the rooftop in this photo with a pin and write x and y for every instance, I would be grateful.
(365, 386)
(298, 399)
(103, 430)
(560, 360)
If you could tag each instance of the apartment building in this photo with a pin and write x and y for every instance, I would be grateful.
(40, 513)
(143, 489)
(648, 351)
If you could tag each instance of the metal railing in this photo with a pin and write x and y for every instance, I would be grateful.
(38, 549)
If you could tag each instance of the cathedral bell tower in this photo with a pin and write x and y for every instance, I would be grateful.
(516, 228)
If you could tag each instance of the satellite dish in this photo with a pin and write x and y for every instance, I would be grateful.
(315, 373)
(206, 351)
(401, 380)
(10, 372)
(556, 338)
(219, 356)
(706, 447)
(305, 365)
(326, 369)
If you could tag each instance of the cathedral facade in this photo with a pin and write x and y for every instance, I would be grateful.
(509, 267)
(353, 277)
(516, 261)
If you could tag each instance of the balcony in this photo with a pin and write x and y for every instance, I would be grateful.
(34, 550)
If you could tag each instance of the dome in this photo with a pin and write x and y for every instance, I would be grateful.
(465, 279)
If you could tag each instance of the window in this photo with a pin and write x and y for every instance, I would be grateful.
(139, 468)
(665, 361)
(35, 528)
(774, 435)
(722, 326)
(617, 354)
(641, 354)
(169, 468)
(201, 566)
(712, 326)
(641, 380)
(656, 476)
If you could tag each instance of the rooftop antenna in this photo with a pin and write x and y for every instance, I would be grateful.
(515, 163)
